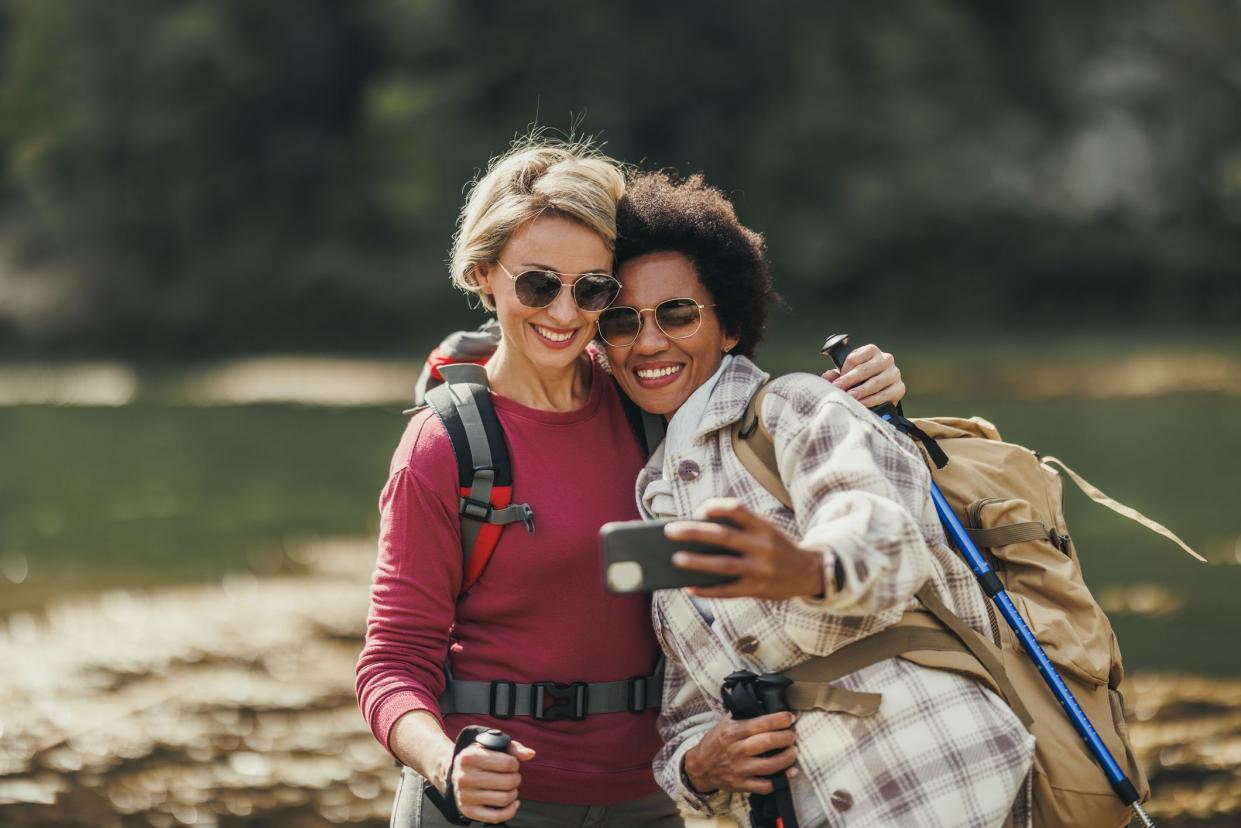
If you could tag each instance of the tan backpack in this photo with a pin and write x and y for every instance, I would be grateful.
(1011, 501)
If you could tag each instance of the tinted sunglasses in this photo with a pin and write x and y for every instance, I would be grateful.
(539, 288)
(677, 318)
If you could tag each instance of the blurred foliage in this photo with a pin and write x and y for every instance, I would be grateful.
(216, 175)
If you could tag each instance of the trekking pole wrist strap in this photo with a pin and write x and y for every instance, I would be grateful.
(446, 802)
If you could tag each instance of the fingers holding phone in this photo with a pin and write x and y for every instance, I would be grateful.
(637, 557)
(765, 562)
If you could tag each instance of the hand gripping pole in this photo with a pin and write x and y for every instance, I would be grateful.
(446, 802)
(748, 696)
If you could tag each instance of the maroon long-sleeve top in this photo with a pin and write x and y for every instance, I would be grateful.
(538, 613)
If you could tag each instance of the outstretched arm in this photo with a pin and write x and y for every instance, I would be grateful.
(856, 490)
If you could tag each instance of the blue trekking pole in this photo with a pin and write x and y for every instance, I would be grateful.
(837, 347)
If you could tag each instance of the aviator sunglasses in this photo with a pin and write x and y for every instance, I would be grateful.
(539, 288)
(677, 318)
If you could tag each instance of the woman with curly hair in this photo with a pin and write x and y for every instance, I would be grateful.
(841, 562)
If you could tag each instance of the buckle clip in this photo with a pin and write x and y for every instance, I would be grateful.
(503, 697)
(476, 509)
(637, 694)
(552, 701)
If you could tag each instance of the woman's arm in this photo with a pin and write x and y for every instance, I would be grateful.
(685, 717)
(400, 672)
(413, 598)
(858, 494)
(855, 490)
(418, 741)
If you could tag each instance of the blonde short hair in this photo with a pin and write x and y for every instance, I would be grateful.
(538, 175)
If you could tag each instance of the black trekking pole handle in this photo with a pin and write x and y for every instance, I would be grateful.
(748, 696)
(837, 347)
(496, 740)
(446, 803)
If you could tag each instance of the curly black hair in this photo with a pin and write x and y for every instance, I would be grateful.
(661, 214)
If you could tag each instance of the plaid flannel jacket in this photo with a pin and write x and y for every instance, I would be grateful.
(941, 750)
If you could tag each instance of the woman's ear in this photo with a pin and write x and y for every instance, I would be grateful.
(482, 278)
(730, 342)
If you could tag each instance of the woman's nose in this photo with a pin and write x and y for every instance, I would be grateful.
(563, 310)
(650, 339)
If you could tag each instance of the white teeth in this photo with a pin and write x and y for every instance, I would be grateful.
(654, 373)
(552, 335)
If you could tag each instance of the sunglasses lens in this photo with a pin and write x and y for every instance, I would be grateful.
(537, 288)
(678, 318)
(595, 291)
(619, 326)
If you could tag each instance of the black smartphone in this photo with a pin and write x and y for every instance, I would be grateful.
(638, 558)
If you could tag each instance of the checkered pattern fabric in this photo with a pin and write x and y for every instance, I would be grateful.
(942, 750)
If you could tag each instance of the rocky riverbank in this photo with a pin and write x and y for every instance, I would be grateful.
(232, 705)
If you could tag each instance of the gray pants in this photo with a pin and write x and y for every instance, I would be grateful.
(413, 810)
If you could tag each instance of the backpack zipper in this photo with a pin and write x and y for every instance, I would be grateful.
(973, 512)
(973, 520)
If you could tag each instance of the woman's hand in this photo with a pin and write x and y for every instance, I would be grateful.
(870, 376)
(769, 565)
(729, 757)
(486, 781)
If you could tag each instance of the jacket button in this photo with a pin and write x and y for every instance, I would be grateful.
(688, 471)
(842, 800)
(747, 644)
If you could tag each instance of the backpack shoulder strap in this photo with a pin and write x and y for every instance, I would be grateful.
(756, 448)
(463, 404)
(458, 347)
(987, 654)
(934, 637)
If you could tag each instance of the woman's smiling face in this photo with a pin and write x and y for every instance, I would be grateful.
(550, 337)
(657, 372)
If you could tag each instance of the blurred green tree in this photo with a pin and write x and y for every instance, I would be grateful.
(231, 175)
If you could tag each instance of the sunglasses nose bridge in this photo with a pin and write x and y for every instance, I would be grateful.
(563, 307)
(650, 337)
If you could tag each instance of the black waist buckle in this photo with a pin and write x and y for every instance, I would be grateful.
(552, 701)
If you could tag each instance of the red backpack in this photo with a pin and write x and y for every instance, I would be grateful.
(453, 382)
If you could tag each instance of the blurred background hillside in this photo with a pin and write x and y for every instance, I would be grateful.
(223, 176)
(223, 234)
